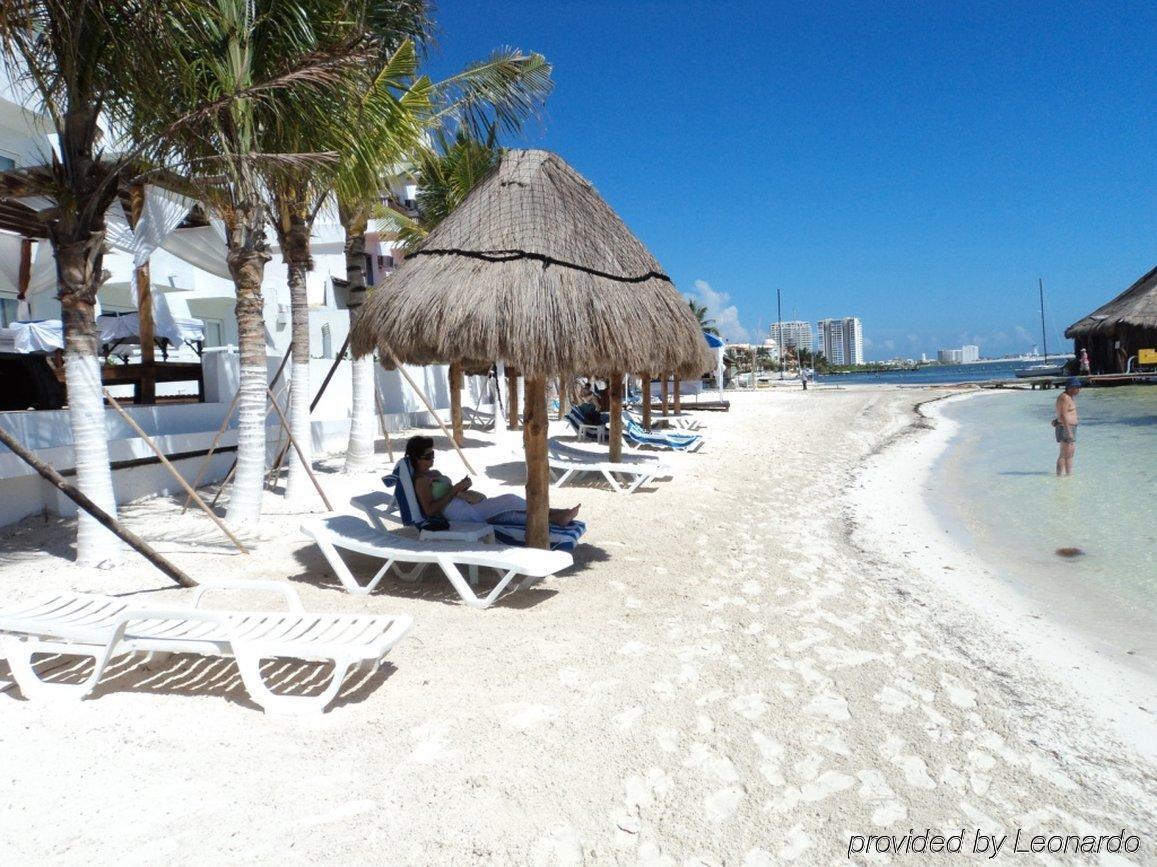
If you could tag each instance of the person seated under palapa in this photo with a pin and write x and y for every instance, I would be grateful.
(439, 495)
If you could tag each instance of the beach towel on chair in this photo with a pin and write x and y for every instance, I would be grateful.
(510, 529)
(402, 481)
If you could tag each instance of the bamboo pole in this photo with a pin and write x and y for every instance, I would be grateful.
(173, 470)
(212, 448)
(534, 437)
(382, 422)
(293, 442)
(615, 393)
(646, 380)
(104, 518)
(224, 426)
(563, 396)
(429, 407)
(455, 378)
(233, 468)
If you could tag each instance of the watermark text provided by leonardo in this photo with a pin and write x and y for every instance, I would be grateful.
(977, 842)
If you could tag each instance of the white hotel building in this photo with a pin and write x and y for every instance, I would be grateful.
(841, 340)
(795, 334)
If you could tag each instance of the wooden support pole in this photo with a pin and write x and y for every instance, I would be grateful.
(382, 422)
(678, 398)
(537, 470)
(512, 420)
(143, 282)
(293, 442)
(646, 380)
(430, 408)
(615, 395)
(104, 518)
(173, 471)
(24, 275)
(456, 401)
(663, 392)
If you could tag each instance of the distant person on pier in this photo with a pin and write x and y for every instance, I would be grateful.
(1084, 362)
(1065, 425)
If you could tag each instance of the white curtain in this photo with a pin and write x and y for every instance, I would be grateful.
(204, 247)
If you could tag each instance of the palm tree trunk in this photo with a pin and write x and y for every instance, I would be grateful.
(360, 451)
(79, 275)
(295, 250)
(247, 256)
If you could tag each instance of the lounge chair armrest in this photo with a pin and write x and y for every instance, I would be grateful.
(289, 594)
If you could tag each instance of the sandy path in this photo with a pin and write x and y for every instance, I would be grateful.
(726, 678)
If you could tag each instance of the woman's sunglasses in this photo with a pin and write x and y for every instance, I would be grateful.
(429, 456)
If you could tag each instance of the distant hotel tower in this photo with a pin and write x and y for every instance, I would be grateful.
(841, 340)
(796, 335)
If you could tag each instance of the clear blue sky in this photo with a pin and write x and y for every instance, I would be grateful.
(918, 165)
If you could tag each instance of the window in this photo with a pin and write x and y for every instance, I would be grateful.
(8, 314)
(213, 333)
(326, 342)
(6, 162)
(369, 270)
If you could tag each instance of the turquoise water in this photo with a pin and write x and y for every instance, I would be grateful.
(937, 374)
(996, 489)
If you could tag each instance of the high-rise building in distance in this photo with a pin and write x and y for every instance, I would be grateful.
(796, 335)
(841, 340)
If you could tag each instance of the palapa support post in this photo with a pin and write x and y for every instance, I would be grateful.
(456, 402)
(173, 470)
(143, 282)
(104, 518)
(24, 274)
(663, 392)
(615, 394)
(678, 398)
(645, 378)
(512, 400)
(534, 437)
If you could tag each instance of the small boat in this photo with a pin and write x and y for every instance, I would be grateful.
(1041, 370)
(1044, 369)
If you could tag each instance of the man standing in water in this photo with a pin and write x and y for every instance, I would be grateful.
(1065, 425)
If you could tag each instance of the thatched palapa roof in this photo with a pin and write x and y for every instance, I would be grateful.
(536, 270)
(1136, 307)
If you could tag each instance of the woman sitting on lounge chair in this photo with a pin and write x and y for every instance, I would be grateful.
(439, 496)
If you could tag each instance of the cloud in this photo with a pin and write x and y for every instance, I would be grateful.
(889, 344)
(726, 315)
(1022, 334)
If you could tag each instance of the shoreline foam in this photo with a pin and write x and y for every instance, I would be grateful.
(893, 514)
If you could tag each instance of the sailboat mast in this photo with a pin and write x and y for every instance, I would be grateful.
(1043, 336)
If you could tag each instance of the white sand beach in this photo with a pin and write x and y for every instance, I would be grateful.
(741, 669)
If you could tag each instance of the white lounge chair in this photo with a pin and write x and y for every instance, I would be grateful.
(105, 627)
(637, 470)
(381, 508)
(349, 533)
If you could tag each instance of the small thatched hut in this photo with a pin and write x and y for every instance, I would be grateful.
(1114, 332)
(535, 270)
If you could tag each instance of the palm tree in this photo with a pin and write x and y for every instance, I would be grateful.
(390, 106)
(500, 92)
(87, 64)
(252, 65)
(705, 323)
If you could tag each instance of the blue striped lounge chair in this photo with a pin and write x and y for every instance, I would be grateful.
(637, 435)
(584, 429)
(509, 527)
